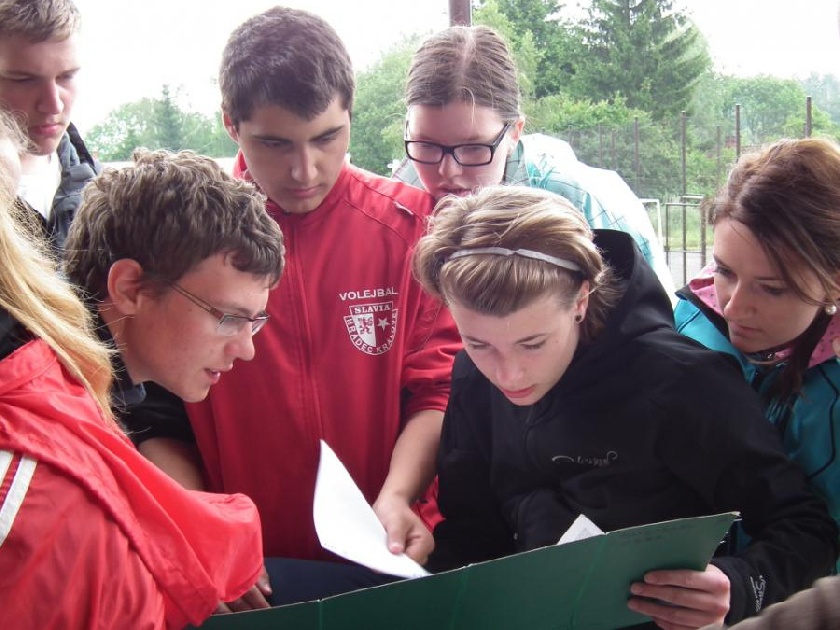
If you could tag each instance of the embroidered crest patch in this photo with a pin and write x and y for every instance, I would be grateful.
(372, 327)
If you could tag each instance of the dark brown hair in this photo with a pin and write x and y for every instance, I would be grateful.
(788, 195)
(285, 57)
(169, 212)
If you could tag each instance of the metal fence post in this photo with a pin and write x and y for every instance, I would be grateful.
(636, 151)
(460, 13)
(737, 131)
(808, 119)
(600, 146)
(683, 153)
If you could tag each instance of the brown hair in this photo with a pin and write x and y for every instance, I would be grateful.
(788, 195)
(285, 57)
(169, 212)
(465, 63)
(513, 217)
(39, 20)
(32, 292)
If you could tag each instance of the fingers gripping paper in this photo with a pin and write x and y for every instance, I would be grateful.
(346, 524)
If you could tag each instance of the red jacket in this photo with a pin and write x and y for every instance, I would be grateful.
(91, 533)
(353, 348)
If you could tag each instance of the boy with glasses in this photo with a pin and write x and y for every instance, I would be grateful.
(361, 357)
(179, 316)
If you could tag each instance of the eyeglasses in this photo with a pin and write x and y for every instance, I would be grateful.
(229, 325)
(465, 154)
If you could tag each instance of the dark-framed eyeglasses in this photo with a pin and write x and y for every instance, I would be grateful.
(229, 324)
(472, 154)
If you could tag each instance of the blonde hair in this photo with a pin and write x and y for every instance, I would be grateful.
(33, 293)
(513, 217)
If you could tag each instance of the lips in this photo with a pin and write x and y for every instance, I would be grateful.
(303, 193)
(458, 192)
(740, 330)
(520, 393)
(46, 131)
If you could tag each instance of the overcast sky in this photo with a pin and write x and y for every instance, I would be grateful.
(131, 47)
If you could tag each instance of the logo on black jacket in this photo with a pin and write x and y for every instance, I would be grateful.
(372, 327)
(587, 460)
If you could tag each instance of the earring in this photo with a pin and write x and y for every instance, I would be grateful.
(579, 318)
(831, 309)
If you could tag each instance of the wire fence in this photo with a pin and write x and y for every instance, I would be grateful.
(672, 166)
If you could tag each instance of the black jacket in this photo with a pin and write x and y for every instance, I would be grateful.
(644, 426)
(78, 167)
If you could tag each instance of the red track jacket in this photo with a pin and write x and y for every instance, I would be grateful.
(91, 533)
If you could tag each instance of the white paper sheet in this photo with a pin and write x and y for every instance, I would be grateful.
(347, 525)
(580, 529)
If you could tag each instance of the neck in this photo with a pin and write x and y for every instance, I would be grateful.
(118, 324)
(31, 162)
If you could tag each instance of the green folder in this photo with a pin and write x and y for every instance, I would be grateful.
(583, 584)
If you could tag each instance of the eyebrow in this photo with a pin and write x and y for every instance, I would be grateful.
(761, 279)
(273, 138)
(523, 340)
(14, 72)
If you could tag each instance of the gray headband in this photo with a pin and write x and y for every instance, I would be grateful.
(525, 253)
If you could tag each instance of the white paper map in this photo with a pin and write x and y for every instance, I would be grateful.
(347, 525)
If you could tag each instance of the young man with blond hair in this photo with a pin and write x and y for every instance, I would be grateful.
(38, 67)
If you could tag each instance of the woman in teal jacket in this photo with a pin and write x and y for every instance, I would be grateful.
(769, 299)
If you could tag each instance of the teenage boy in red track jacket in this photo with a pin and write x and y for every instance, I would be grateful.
(355, 353)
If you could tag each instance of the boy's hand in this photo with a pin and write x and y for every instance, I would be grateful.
(692, 599)
(406, 532)
(252, 599)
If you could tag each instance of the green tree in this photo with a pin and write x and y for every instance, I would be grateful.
(158, 124)
(168, 122)
(770, 108)
(124, 129)
(379, 110)
(545, 44)
(643, 50)
(825, 90)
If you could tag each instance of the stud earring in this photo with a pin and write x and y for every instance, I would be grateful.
(579, 317)
(831, 309)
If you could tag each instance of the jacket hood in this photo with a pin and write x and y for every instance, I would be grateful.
(643, 308)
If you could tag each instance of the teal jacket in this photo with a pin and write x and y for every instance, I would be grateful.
(541, 161)
(810, 430)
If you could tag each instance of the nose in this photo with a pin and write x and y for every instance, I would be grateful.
(303, 166)
(448, 167)
(737, 304)
(509, 374)
(242, 345)
(50, 99)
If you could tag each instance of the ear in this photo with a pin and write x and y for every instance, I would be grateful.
(516, 129)
(124, 285)
(230, 127)
(582, 300)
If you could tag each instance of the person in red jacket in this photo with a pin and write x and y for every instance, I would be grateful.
(91, 534)
(358, 355)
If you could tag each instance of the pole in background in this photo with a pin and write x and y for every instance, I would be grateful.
(460, 13)
(808, 120)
